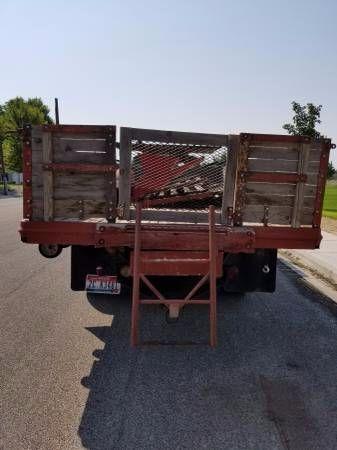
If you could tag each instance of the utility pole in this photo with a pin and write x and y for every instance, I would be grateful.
(3, 171)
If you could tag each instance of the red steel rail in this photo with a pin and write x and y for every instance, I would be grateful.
(170, 236)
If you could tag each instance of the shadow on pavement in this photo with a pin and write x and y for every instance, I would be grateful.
(268, 385)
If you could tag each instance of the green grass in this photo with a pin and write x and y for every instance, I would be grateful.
(330, 200)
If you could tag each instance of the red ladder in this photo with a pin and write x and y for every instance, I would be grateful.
(152, 263)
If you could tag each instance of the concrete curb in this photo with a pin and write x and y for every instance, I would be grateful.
(313, 263)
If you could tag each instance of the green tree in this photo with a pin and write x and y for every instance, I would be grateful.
(305, 119)
(14, 114)
(331, 170)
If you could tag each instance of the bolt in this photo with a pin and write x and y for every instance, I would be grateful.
(101, 228)
(101, 241)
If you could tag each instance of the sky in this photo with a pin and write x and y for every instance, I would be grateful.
(189, 65)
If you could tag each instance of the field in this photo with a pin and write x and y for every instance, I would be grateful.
(330, 200)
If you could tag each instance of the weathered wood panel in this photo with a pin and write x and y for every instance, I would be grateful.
(272, 165)
(80, 186)
(79, 209)
(278, 215)
(79, 150)
(270, 188)
(270, 199)
(165, 215)
(274, 153)
(312, 178)
(177, 137)
(278, 189)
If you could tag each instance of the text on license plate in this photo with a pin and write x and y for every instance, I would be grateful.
(102, 284)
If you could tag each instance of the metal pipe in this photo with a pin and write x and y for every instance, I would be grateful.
(57, 118)
(4, 176)
(212, 276)
(136, 278)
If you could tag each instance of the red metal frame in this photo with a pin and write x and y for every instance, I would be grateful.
(27, 172)
(141, 272)
(321, 181)
(169, 236)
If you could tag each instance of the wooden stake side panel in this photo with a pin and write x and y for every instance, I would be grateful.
(276, 181)
(66, 182)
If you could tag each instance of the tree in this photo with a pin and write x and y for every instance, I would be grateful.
(305, 119)
(14, 114)
(331, 170)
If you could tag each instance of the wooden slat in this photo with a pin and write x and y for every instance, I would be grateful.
(81, 150)
(312, 178)
(230, 175)
(178, 137)
(270, 199)
(288, 153)
(48, 210)
(278, 189)
(272, 165)
(315, 154)
(73, 209)
(174, 216)
(278, 215)
(270, 188)
(312, 166)
(309, 201)
(80, 186)
(310, 190)
(273, 139)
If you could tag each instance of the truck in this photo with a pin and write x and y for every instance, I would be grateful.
(172, 217)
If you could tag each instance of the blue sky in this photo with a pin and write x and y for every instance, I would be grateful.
(212, 66)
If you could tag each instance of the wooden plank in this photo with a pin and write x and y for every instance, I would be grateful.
(309, 201)
(79, 209)
(312, 166)
(270, 199)
(230, 176)
(289, 153)
(79, 150)
(312, 178)
(270, 188)
(178, 137)
(274, 138)
(278, 215)
(80, 186)
(302, 168)
(315, 154)
(310, 190)
(272, 165)
(124, 176)
(78, 129)
(166, 215)
(48, 209)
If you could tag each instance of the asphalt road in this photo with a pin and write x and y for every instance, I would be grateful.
(69, 380)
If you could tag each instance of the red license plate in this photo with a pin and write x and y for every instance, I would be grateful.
(102, 284)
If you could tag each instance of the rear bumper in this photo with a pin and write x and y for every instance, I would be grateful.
(169, 236)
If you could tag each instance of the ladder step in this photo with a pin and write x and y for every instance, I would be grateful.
(178, 264)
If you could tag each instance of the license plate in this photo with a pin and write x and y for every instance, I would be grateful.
(102, 284)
